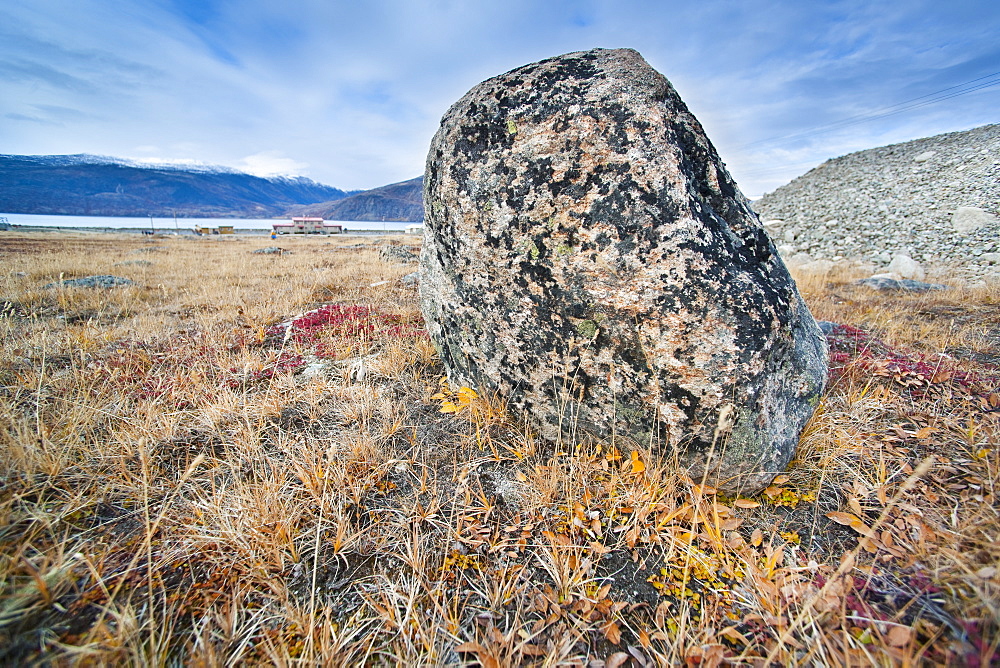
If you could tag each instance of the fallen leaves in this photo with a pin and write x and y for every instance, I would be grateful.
(636, 464)
(850, 520)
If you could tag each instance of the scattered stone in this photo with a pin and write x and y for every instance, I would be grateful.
(413, 278)
(925, 156)
(885, 283)
(270, 250)
(906, 267)
(134, 263)
(968, 219)
(104, 281)
(398, 254)
(147, 249)
(588, 257)
(990, 258)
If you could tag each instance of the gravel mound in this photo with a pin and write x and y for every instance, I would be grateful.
(935, 200)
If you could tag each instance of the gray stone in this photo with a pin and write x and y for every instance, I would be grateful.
(270, 250)
(786, 250)
(799, 259)
(816, 267)
(103, 281)
(826, 326)
(906, 267)
(967, 219)
(588, 258)
(884, 283)
(398, 254)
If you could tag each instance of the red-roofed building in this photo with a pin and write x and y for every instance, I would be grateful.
(306, 225)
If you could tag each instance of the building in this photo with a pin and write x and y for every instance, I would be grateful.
(306, 225)
(415, 228)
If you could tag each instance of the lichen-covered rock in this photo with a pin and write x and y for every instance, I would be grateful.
(588, 257)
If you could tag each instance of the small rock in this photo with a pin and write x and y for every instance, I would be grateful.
(816, 267)
(412, 278)
(906, 267)
(884, 284)
(925, 156)
(967, 219)
(104, 281)
(990, 258)
(798, 260)
(398, 254)
(270, 250)
(134, 263)
(826, 326)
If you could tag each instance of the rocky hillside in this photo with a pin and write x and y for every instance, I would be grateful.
(936, 200)
(99, 186)
(395, 202)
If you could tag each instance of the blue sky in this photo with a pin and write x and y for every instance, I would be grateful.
(350, 92)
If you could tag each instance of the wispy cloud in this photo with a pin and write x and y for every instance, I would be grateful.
(351, 92)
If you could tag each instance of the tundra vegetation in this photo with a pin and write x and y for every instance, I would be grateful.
(193, 474)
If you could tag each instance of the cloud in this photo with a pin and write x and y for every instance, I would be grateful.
(271, 163)
(353, 91)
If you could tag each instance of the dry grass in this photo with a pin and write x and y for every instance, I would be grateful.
(186, 482)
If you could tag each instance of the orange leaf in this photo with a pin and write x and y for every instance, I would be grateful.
(756, 538)
(637, 465)
(843, 518)
(780, 479)
(746, 503)
(473, 647)
(486, 660)
(533, 650)
(612, 633)
(644, 639)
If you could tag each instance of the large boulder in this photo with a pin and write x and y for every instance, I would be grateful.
(587, 256)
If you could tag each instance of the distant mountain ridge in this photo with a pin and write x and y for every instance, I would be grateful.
(403, 201)
(103, 186)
